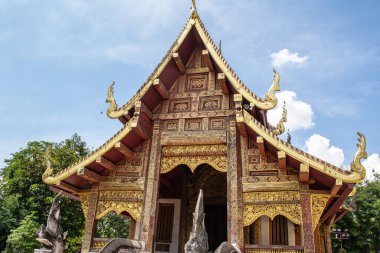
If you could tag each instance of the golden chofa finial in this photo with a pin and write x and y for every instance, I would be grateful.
(49, 171)
(280, 128)
(110, 99)
(270, 97)
(361, 153)
(194, 9)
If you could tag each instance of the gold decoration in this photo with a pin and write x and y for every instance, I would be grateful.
(84, 201)
(49, 171)
(120, 201)
(185, 150)
(361, 153)
(194, 12)
(270, 97)
(306, 158)
(271, 196)
(318, 203)
(290, 211)
(271, 186)
(52, 179)
(280, 128)
(110, 99)
(217, 162)
(133, 208)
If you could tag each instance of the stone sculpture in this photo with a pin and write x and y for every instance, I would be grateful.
(227, 247)
(120, 245)
(198, 242)
(52, 236)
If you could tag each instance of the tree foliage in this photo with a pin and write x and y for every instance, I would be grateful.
(25, 200)
(113, 226)
(364, 224)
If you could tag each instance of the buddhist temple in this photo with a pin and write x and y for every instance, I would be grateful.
(195, 125)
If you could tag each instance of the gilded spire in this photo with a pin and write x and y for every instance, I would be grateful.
(194, 9)
(49, 171)
(361, 153)
(280, 128)
(110, 99)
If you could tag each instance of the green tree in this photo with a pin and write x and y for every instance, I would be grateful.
(113, 226)
(22, 180)
(23, 238)
(364, 224)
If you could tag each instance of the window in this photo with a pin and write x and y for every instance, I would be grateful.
(278, 231)
(252, 232)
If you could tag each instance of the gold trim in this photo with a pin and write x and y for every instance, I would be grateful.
(53, 179)
(303, 157)
(318, 203)
(291, 211)
(133, 208)
(217, 162)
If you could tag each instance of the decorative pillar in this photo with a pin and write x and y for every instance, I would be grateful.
(90, 223)
(328, 235)
(148, 220)
(308, 235)
(234, 187)
(317, 240)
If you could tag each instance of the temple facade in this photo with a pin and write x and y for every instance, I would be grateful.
(194, 125)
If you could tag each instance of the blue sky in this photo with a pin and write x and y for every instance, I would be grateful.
(57, 59)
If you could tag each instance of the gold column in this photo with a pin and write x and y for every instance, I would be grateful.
(148, 219)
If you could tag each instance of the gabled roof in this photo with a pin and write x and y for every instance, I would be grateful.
(194, 22)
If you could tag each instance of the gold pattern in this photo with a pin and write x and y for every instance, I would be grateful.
(49, 171)
(318, 203)
(185, 150)
(280, 128)
(120, 201)
(133, 208)
(271, 186)
(84, 201)
(217, 162)
(271, 196)
(361, 153)
(290, 211)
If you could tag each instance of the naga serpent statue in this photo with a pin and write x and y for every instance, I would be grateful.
(356, 165)
(280, 128)
(52, 236)
(270, 96)
(110, 99)
(49, 171)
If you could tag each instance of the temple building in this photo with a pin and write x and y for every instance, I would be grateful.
(195, 125)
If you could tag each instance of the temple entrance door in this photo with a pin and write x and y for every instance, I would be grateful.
(182, 186)
(216, 225)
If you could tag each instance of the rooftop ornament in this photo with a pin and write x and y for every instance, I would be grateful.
(361, 153)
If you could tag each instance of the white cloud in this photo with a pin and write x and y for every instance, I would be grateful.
(300, 114)
(320, 147)
(284, 57)
(372, 165)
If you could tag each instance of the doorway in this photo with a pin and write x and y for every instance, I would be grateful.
(182, 185)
